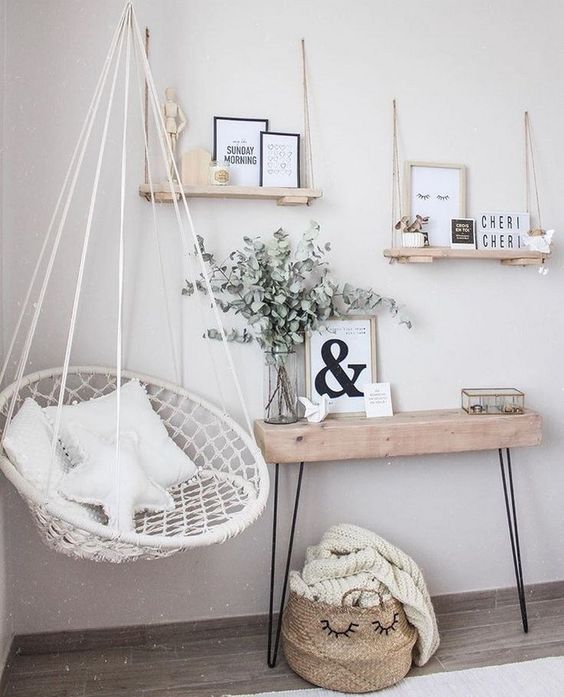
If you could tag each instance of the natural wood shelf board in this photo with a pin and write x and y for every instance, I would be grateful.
(283, 196)
(405, 433)
(422, 255)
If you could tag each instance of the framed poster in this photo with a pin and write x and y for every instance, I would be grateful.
(237, 142)
(438, 191)
(340, 360)
(502, 230)
(280, 159)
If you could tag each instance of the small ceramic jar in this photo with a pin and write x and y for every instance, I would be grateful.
(219, 173)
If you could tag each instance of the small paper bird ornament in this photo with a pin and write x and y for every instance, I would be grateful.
(315, 413)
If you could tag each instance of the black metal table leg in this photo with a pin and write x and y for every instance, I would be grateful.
(511, 510)
(273, 651)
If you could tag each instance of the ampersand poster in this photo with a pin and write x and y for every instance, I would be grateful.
(340, 360)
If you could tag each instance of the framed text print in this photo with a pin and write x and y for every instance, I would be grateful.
(280, 159)
(237, 142)
(439, 192)
(340, 360)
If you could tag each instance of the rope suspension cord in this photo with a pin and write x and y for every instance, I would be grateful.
(530, 166)
(74, 157)
(144, 102)
(164, 146)
(121, 253)
(396, 207)
(309, 178)
(76, 164)
(167, 152)
(85, 244)
(180, 226)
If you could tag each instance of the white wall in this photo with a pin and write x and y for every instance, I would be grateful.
(463, 73)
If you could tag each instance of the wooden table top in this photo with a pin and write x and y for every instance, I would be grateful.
(405, 433)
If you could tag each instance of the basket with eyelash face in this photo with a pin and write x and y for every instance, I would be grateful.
(347, 648)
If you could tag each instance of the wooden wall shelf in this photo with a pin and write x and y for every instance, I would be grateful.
(283, 196)
(426, 255)
(406, 433)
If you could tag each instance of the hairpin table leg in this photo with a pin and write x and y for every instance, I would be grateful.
(273, 652)
(511, 510)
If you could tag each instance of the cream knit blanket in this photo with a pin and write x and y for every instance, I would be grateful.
(352, 557)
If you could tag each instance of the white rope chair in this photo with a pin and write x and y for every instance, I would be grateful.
(228, 493)
(230, 488)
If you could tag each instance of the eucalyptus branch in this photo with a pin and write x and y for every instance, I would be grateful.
(283, 292)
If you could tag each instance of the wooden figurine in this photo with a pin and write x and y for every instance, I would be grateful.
(175, 123)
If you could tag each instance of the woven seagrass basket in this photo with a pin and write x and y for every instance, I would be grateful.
(347, 648)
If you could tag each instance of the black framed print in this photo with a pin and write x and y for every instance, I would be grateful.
(340, 361)
(280, 159)
(237, 142)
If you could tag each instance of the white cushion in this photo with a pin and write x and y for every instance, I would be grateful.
(120, 490)
(28, 445)
(163, 461)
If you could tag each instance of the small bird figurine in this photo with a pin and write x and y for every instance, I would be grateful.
(315, 413)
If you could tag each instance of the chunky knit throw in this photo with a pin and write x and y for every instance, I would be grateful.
(351, 557)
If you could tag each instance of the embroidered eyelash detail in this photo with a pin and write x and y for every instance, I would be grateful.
(443, 198)
(378, 627)
(331, 632)
(424, 196)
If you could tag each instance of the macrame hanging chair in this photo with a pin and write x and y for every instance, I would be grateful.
(230, 489)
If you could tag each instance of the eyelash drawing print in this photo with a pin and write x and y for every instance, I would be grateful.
(386, 630)
(331, 632)
(424, 196)
(443, 198)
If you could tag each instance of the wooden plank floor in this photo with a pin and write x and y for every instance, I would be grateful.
(211, 661)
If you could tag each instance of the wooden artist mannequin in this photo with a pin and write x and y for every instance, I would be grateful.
(175, 123)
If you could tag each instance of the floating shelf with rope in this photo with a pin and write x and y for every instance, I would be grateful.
(523, 256)
(282, 195)
(426, 255)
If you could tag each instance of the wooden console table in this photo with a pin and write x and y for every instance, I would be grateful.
(407, 433)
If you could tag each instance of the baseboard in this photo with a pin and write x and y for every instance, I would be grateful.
(135, 635)
(5, 666)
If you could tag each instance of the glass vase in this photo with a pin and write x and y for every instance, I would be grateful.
(280, 387)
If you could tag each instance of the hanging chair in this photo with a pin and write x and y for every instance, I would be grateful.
(230, 488)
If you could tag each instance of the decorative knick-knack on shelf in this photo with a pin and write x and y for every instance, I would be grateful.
(413, 234)
(219, 173)
(539, 240)
(315, 413)
(175, 123)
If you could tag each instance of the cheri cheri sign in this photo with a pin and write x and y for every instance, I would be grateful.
(497, 231)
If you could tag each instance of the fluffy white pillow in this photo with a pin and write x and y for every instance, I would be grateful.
(163, 461)
(28, 445)
(120, 491)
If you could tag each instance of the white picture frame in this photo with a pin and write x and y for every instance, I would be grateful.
(437, 191)
(280, 159)
(358, 334)
(237, 141)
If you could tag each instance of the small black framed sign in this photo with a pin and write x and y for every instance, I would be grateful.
(237, 142)
(280, 159)
(463, 233)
